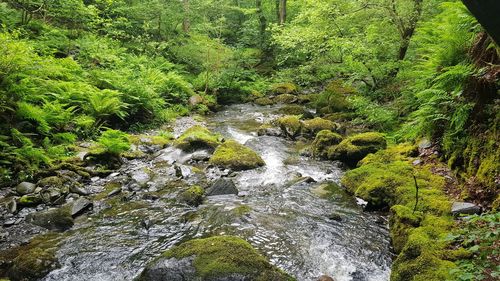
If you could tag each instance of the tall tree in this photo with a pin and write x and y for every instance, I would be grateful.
(282, 12)
(406, 25)
(186, 23)
(262, 22)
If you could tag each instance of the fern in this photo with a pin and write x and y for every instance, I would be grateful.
(114, 141)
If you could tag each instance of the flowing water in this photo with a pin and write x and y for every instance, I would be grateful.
(286, 220)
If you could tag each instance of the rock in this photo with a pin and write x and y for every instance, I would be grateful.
(57, 219)
(335, 217)
(81, 155)
(284, 88)
(219, 258)
(52, 196)
(80, 206)
(197, 137)
(114, 192)
(286, 98)
(325, 278)
(12, 206)
(424, 144)
(263, 101)
(268, 130)
(314, 126)
(464, 208)
(324, 139)
(294, 109)
(290, 125)
(417, 162)
(235, 156)
(30, 200)
(221, 187)
(182, 171)
(25, 188)
(141, 177)
(74, 188)
(194, 100)
(193, 196)
(355, 148)
(9, 222)
(200, 155)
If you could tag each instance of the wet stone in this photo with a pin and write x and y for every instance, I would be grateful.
(25, 188)
(80, 206)
(222, 187)
(464, 208)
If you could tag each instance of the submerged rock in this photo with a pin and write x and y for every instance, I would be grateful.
(219, 258)
(25, 188)
(235, 156)
(58, 219)
(222, 187)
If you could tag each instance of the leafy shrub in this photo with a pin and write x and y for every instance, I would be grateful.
(114, 142)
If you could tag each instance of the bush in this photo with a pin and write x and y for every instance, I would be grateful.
(114, 142)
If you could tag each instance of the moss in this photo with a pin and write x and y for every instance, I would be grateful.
(284, 88)
(236, 156)
(133, 154)
(290, 125)
(399, 152)
(193, 195)
(313, 126)
(53, 181)
(324, 139)
(160, 140)
(286, 99)
(402, 221)
(242, 210)
(263, 101)
(30, 200)
(308, 98)
(293, 109)
(31, 261)
(223, 256)
(355, 148)
(197, 137)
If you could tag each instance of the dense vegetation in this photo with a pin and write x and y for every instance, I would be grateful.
(413, 70)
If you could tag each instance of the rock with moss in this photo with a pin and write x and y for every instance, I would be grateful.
(334, 98)
(236, 157)
(290, 125)
(197, 137)
(294, 109)
(402, 221)
(286, 98)
(193, 196)
(25, 188)
(29, 200)
(284, 88)
(314, 126)
(263, 101)
(56, 219)
(31, 261)
(269, 130)
(307, 98)
(355, 148)
(324, 139)
(218, 258)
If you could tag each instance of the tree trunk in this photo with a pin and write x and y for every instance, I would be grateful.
(486, 13)
(186, 23)
(262, 22)
(408, 31)
(282, 12)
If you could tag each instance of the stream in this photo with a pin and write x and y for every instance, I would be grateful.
(289, 221)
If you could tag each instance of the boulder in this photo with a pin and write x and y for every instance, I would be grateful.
(464, 208)
(30, 200)
(355, 148)
(314, 126)
(52, 196)
(75, 188)
(263, 101)
(286, 99)
(284, 88)
(324, 139)
(25, 188)
(57, 219)
(290, 125)
(269, 130)
(221, 187)
(235, 156)
(197, 137)
(80, 206)
(193, 196)
(218, 258)
(325, 278)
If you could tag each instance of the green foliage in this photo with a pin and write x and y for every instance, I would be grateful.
(114, 142)
(479, 234)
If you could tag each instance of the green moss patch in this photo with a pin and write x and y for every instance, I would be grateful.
(355, 148)
(313, 126)
(193, 195)
(286, 98)
(290, 125)
(284, 88)
(197, 137)
(236, 156)
(324, 139)
(263, 101)
(221, 256)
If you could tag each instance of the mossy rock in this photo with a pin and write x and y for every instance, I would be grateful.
(294, 109)
(30, 200)
(355, 148)
(193, 196)
(216, 258)
(324, 139)
(308, 98)
(197, 137)
(290, 125)
(53, 181)
(401, 221)
(236, 156)
(56, 219)
(284, 88)
(31, 261)
(263, 101)
(314, 126)
(286, 99)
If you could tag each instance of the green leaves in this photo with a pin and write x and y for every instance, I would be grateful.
(114, 141)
